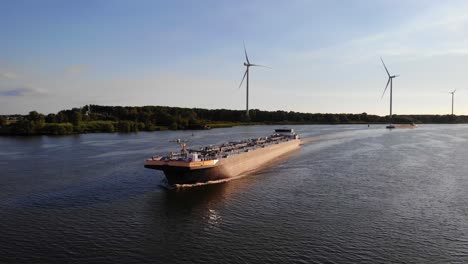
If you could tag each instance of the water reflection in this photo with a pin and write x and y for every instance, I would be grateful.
(200, 206)
(182, 217)
(190, 199)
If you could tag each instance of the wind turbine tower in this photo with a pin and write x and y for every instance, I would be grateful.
(88, 112)
(247, 64)
(453, 95)
(390, 81)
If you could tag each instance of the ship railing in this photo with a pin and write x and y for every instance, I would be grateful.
(231, 148)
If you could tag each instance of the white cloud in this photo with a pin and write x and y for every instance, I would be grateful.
(441, 30)
(8, 75)
(21, 91)
(76, 69)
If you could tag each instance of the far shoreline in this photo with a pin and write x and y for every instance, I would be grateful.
(230, 125)
(111, 119)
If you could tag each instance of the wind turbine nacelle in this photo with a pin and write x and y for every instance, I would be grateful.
(245, 64)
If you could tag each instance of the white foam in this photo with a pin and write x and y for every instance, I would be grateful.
(180, 186)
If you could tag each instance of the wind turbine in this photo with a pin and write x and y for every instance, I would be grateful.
(390, 81)
(246, 74)
(88, 112)
(453, 94)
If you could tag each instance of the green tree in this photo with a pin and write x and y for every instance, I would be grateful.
(36, 117)
(108, 127)
(58, 129)
(77, 117)
(123, 126)
(51, 118)
(3, 121)
(22, 127)
(37, 120)
(61, 117)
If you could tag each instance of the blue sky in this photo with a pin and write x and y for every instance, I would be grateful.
(324, 55)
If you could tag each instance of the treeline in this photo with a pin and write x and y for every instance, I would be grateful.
(96, 118)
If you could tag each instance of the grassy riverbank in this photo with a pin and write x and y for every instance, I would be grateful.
(109, 119)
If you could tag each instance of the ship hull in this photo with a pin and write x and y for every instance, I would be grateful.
(232, 166)
(184, 176)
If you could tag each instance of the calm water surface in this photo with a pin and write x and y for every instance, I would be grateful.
(353, 194)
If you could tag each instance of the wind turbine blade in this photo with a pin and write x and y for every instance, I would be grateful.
(245, 74)
(246, 57)
(385, 66)
(454, 91)
(386, 86)
(260, 66)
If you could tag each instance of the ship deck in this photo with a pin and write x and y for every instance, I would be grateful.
(190, 165)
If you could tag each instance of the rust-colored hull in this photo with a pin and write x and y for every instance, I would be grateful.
(232, 166)
(176, 175)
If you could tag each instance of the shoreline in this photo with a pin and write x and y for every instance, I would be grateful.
(224, 125)
(72, 130)
(125, 119)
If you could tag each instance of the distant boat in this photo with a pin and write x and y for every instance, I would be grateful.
(178, 140)
(410, 125)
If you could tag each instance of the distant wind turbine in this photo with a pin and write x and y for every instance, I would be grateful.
(390, 81)
(88, 112)
(246, 74)
(453, 95)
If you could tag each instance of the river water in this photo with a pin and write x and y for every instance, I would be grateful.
(351, 194)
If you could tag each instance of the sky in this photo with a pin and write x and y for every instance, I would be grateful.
(324, 56)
